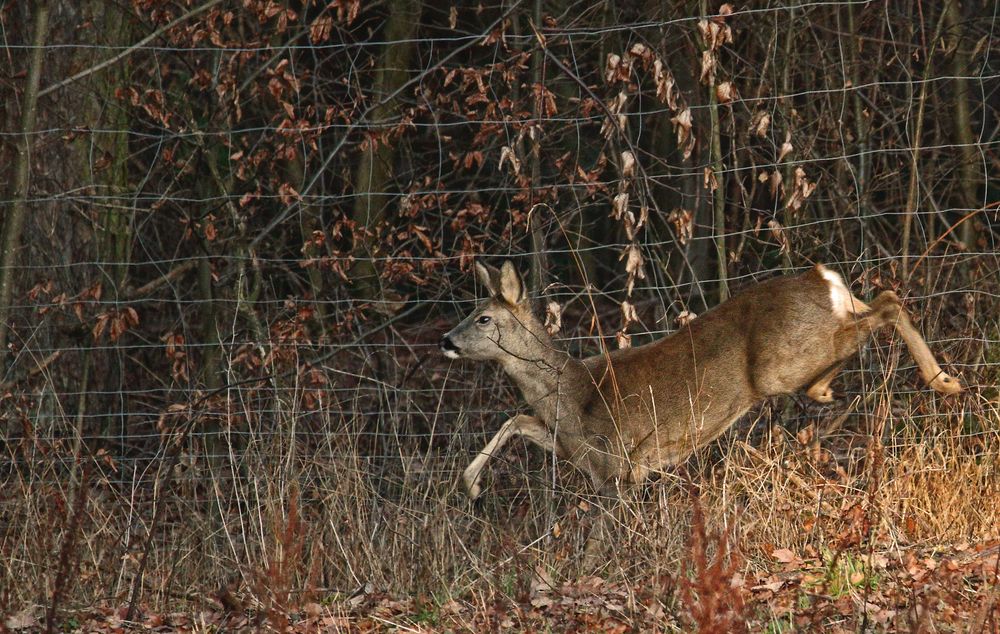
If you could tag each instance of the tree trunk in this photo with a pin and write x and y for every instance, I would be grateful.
(110, 147)
(374, 169)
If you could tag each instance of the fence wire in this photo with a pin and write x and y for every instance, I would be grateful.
(237, 258)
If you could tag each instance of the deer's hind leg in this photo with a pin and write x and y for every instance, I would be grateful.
(820, 390)
(887, 310)
(521, 425)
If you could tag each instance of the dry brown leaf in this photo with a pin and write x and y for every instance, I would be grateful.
(615, 107)
(619, 205)
(726, 92)
(321, 28)
(779, 234)
(709, 180)
(801, 190)
(709, 62)
(776, 185)
(760, 123)
(685, 135)
(715, 32)
(507, 155)
(665, 85)
(628, 164)
(633, 266)
(25, 619)
(786, 147)
(639, 50)
(685, 318)
(629, 313)
(623, 339)
(683, 221)
(611, 68)
(785, 556)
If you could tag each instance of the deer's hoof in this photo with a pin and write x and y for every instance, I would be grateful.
(824, 396)
(472, 488)
(946, 384)
(473, 491)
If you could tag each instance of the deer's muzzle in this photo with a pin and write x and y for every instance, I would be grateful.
(448, 347)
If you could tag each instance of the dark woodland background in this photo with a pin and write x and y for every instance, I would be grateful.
(233, 232)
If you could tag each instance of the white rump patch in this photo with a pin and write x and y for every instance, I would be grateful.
(840, 297)
(451, 354)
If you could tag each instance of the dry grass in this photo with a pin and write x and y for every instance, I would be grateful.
(314, 507)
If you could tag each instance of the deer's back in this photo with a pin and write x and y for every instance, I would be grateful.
(770, 339)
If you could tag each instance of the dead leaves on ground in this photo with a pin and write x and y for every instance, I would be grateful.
(903, 591)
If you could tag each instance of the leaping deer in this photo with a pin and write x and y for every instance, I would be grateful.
(619, 415)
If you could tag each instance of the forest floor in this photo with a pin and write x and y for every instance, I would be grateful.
(953, 590)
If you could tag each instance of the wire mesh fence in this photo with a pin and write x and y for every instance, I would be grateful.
(234, 233)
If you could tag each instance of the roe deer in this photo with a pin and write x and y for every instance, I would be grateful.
(618, 415)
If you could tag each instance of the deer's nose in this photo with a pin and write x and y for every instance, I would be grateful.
(448, 347)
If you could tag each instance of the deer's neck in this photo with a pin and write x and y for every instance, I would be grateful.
(549, 379)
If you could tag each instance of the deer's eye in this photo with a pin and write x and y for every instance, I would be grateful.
(485, 319)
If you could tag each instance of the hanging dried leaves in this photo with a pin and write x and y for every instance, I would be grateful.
(619, 205)
(786, 147)
(616, 121)
(628, 164)
(629, 314)
(623, 339)
(714, 34)
(778, 232)
(633, 266)
(709, 62)
(507, 155)
(685, 318)
(775, 184)
(347, 10)
(666, 87)
(801, 190)
(683, 221)
(685, 135)
(725, 92)
(321, 28)
(714, 31)
(709, 179)
(760, 123)
(616, 69)
(116, 322)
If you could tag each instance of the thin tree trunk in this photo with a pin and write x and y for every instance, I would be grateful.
(14, 219)
(969, 175)
(538, 255)
(212, 352)
(718, 196)
(719, 192)
(860, 127)
(786, 91)
(918, 132)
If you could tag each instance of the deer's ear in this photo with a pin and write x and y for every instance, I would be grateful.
(511, 285)
(488, 277)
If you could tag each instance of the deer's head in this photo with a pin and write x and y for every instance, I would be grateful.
(502, 326)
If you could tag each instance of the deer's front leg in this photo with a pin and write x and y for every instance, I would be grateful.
(521, 425)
